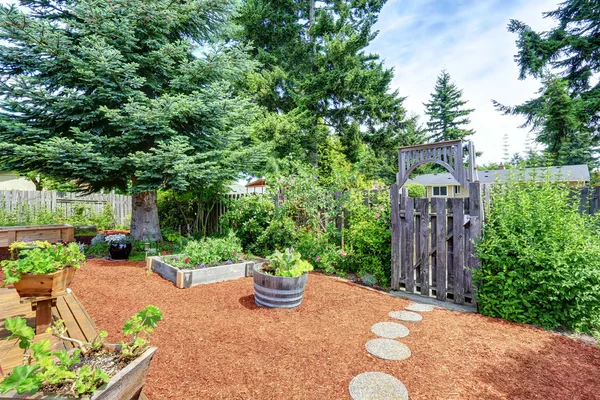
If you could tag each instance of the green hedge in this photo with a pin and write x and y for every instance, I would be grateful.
(540, 259)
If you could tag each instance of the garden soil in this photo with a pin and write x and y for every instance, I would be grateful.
(215, 343)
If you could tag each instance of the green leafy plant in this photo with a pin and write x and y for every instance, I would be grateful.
(139, 327)
(249, 217)
(289, 264)
(45, 260)
(207, 252)
(540, 258)
(416, 190)
(63, 370)
(368, 237)
(16, 246)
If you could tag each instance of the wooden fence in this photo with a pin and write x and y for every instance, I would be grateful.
(13, 200)
(433, 244)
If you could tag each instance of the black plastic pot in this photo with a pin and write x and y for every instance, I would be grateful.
(119, 251)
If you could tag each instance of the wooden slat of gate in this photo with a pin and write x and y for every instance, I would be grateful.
(400, 239)
(458, 257)
(424, 232)
(441, 253)
(409, 244)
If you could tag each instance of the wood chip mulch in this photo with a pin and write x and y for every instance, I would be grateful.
(215, 343)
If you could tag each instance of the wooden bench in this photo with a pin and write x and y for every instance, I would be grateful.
(68, 308)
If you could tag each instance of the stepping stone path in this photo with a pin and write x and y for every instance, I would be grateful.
(408, 316)
(388, 349)
(377, 386)
(390, 330)
(419, 307)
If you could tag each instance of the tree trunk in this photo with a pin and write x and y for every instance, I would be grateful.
(144, 217)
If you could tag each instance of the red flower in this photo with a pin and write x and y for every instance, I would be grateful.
(187, 260)
(164, 252)
(233, 253)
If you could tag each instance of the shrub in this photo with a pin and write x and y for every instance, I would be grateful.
(323, 249)
(416, 190)
(280, 234)
(249, 217)
(368, 237)
(540, 259)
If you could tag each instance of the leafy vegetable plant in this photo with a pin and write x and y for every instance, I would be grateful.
(208, 251)
(64, 370)
(289, 263)
(46, 260)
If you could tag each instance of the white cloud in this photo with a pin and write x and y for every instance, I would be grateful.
(421, 37)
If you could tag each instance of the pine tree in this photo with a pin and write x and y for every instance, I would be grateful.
(557, 121)
(446, 111)
(316, 79)
(570, 52)
(110, 95)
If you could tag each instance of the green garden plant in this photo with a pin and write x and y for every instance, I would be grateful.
(249, 217)
(368, 237)
(289, 263)
(207, 252)
(65, 371)
(540, 258)
(46, 260)
(416, 190)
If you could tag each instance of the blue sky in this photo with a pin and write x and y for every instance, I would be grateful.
(418, 38)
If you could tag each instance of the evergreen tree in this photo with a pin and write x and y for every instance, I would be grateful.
(569, 50)
(446, 111)
(557, 120)
(110, 95)
(316, 79)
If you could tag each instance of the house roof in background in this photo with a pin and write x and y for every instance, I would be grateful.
(236, 188)
(258, 182)
(570, 173)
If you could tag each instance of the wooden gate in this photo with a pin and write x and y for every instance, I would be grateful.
(433, 244)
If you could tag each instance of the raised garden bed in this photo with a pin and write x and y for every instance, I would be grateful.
(185, 278)
(50, 233)
(127, 384)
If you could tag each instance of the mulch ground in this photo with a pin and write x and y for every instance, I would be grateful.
(215, 343)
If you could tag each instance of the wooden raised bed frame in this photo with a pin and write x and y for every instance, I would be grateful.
(50, 233)
(185, 278)
(127, 384)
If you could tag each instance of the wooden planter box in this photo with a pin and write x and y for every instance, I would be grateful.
(50, 233)
(126, 385)
(278, 291)
(185, 278)
(45, 285)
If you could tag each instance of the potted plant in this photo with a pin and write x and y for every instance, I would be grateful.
(280, 282)
(119, 246)
(44, 271)
(96, 370)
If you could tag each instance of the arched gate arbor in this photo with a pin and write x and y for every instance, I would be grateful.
(433, 239)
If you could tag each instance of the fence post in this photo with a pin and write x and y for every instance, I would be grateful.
(476, 212)
(394, 198)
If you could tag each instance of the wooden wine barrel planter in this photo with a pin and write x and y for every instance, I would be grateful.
(278, 291)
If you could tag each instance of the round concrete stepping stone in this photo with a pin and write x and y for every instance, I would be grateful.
(419, 307)
(406, 316)
(390, 330)
(377, 386)
(388, 349)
